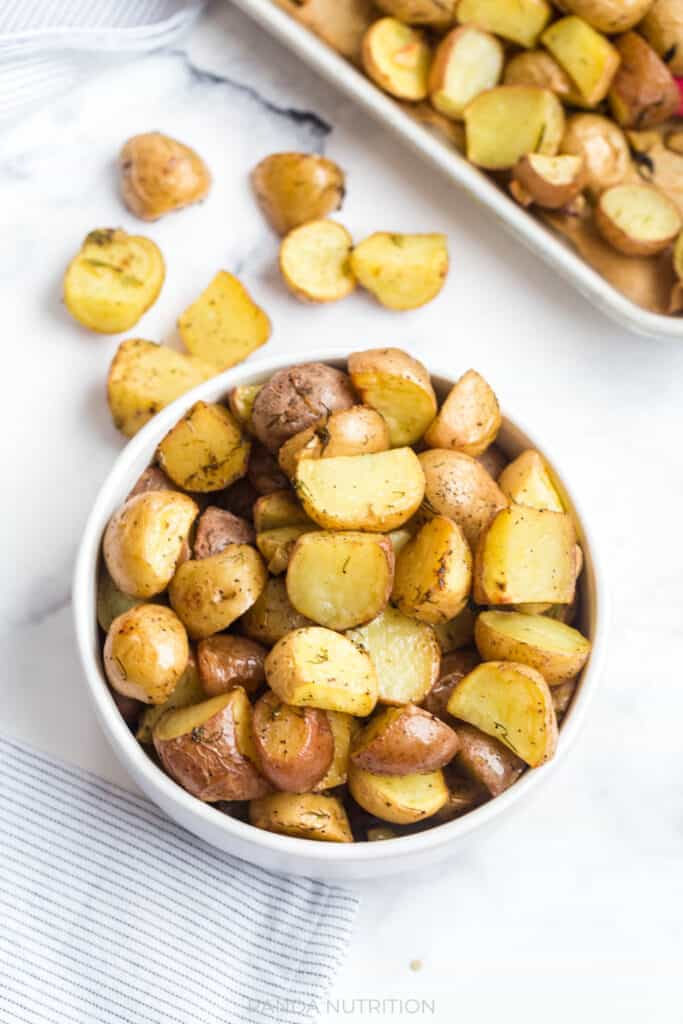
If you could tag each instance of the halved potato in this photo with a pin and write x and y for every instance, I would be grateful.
(486, 760)
(342, 727)
(210, 593)
(356, 431)
(376, 493)
(402, 271)
(277, 509)
(505, 123)
(467, 61)
(397, 58)
(511, 702)
(643, 93)
(304, 816)
(294, 746)
(340, 580)
(224, 325)
(526, 555)
(241, 401)
(315, 261)
(401, 799)
(557, 651)
(434, 572)
(272, 615)
(457, 632)
(405, 654)
(277, 545)
(400, 741)
(526, 481)
(146, 653)
(398, 387)
(293, 188)
(608, 16)
(205, 450)
(550, 181)
(521, 22)
(536, 67)
(113, 280)
(458, 487)
(662, 26)
(637, 220)
(469, 419)
(188, 691)
(604, 149)
(435, 13)
(319, 668)
(588, 57)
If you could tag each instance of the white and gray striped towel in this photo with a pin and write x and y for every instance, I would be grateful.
(112, 914)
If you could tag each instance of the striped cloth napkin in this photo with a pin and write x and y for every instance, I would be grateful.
(112, 914)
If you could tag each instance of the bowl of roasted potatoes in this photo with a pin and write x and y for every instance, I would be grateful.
(337, 612)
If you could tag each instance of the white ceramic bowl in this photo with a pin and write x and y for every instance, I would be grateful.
(282, 853)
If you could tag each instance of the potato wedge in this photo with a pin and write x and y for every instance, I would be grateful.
(550, 181)
(294, 188)
(113, 280)
(298, 397)
(402, 271)
(454, 667)
(437, 14)
(536, 67)
(588, 57)
(604, 149)
(643, 93)
(637, 220)
(241, 401)
(397, 58)
(342, 727)
(506, 123)
(224, 325)
(486, 760)
(225, 661)
(458, 487)
(303, 816)
(208, 749)
(356, 431)
(467, 61)
(662, 26)
(404, 740)
(277, 545)
(376, 493)
(521, 22)
(146, 653)
(315, 261)
(277, 509)
(272, 615)
(205, 451)
(144, 378)
(316, 667)
(188, 691)
(527, 481)
(340, 580)
(294, 746)
(160, 175)
(111, 602)
(209, 594)
(557, 651)
(405, 654)
(512, 703)
(457, 632)
(401, 799)
(434, 572)
(469, 419)
(217, 529)
(609, 16)
(526, 555)
(398, 387)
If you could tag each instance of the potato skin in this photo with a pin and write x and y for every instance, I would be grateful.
(400, 741)
(536, 67)
(160, 174)
(400, 799)
(609, 16)
(208, 594)
(454, 667)
(399, 387)
(621, 239)
(225, 661)
(522, 645)
(293, 188)
(469, 419)
(643, 93)
(549, 194)
(296, 397)
(294, 754)
(217, 529)
(304, 816)
(662, 26)
(359, 430)
(486, 760)
(603, 146)
(146, 653)
(458, 487)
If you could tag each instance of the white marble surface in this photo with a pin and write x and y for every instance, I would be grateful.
(573, 908)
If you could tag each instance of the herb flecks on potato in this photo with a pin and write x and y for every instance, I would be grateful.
(160, 175)
(224, 325)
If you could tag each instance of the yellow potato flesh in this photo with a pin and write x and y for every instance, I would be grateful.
(399, 388)
(521, 21)
(277, 545)
(188, 691)
(208, 594)
(467, 62)
(506, 123)
(315, 263)
(434, 572)
(642, 214)
(402, 271)
(397, 58)
(302, 815)
(557, 651)
(588, 57)
(526, 481)
(205, 451)
(224, 325)
(401, 799)
(405, 654)
(185, 720)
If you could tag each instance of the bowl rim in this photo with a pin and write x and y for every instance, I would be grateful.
(130, 752)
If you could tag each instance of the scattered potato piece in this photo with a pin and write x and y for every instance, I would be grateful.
(188, 691)
(604, 149)
(521, 22)
(457, 486)
(526, 481)
(399, 388)
(241, 401)
(315, 261)
(277, 509)
(469, 419)
(643, 93)
(303, 816)
(505, 123)
(160, 174)
(536, 67)
(550, 181)
(145, 377)
(277, 545)
(434, 572)
(146, 653)
(397, 58)
(588, 57)
(402, 271)
(405, 654)
(557, 651)
(272, 615)
(356, 431)
(435, 13)
(205, 450)
(609, 16)
(637, 220)
(224, 325)
(403, 740)
(210, 593)
(401, 799)
(467, 61)
(662, 26)
(294, 188)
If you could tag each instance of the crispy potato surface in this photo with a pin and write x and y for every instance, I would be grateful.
(225, 661)
(297, 397)
(146, 653)
(467, 61)
(405, 654)
(555, 650)
(160, 174)
(527, 481)
(637, 220)
(304, 816)
(210, 593)
(506, 123)
(272, 615)
(294, 188)
(404, 740)
(402, 271)
(224, 325)
(521, 22)
(188, 691)
(588, 57)
(397, 58)
(315, 261)
(401, 799)
(469, 419)
(434, 572)
(399, 387)
(205, 451)
(458, 487)
(294, 746)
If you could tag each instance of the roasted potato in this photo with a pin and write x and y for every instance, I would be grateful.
(225, 661)
(536, 67)
(609, 16)
(604, 149)
(457, 486)
(457, 632)
(437, 14)
(506, 123)
(294, 745)
(241, 401)
(277, 509)
(209, 749)
(434, 572)
(144, 378)
(376, 493)
(467, 61)
(188, 691)
(550, 181)
(555, 650)
(294, 188)
(272, 615)
(401, 799)
(144, 541)
(356, 431)
(224, 325)
(521, 22)
(512, 703)
(152, 479)
(146, 653)
(208, 594)
(523, 555)
(404, 740)
(111, 602)
(643, 93)
(340, 580)
(315, 261)
(662, 26)
(402, 271)
(217, 529)
(588, 57)
(527, 481)
(316, 667)
(469, 419)
(454, 667)
(304, 816)
(277, 546)
(397, 58)
(562, 697)
(160, 174)
(404, 652)
(637, 220)
(205, 451)
(298, 397)
(398, 387)
(113, 280)
(264, 472)
(486, 760)
(342, 727)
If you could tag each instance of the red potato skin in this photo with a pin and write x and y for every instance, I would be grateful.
(417, 741)
(454, 667)
(296, 397)
(217, 528)
(225, 661)
(152, 479)
(486, 760)
(310, 762)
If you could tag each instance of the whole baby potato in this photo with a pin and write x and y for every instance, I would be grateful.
(146, 653)
(160, 174)
(293, 188)
(225, 661)
(296, 397)
(208, 594)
